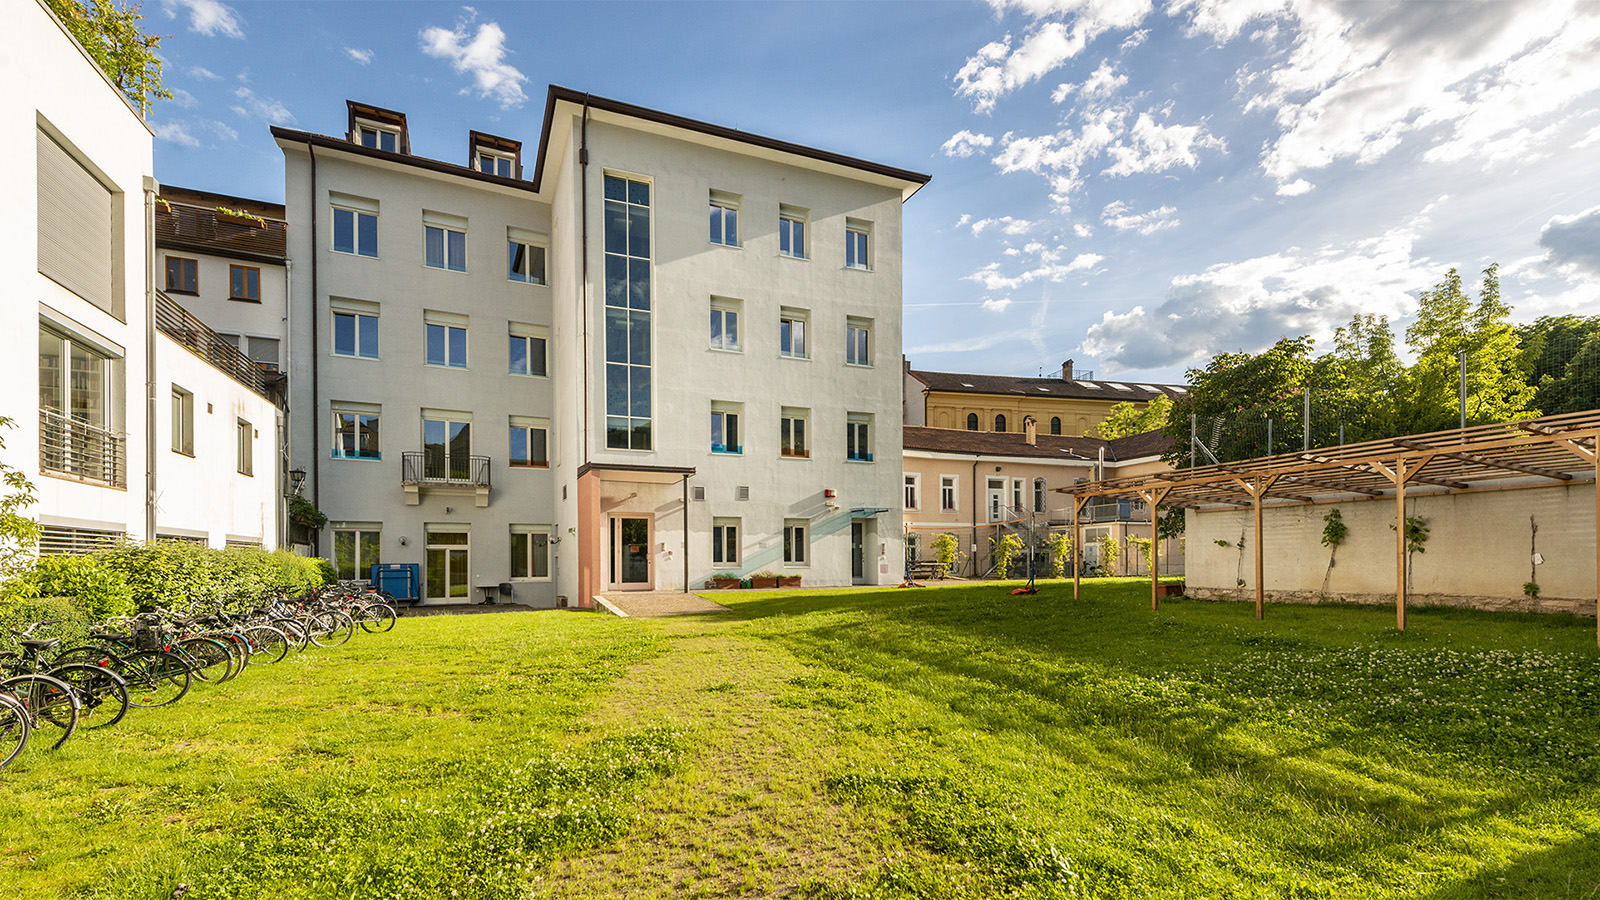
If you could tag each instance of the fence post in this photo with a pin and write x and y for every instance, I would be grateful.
(1194, 436)
(1463, 355)
(1308, 417)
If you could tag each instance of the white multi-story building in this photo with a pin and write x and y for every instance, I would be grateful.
(667, 349)
(127, 422)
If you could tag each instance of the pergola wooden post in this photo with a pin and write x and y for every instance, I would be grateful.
(1400, 545)
(1154, 497)
(1257, 488)
(1077, 547)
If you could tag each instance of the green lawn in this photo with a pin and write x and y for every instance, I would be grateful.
(945, 742)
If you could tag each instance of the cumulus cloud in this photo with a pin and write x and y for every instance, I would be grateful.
(1082, 230)
(176, 133)
(1104, 82)
(1152, 147)
(1119, 216)
(203, 73)
(1249, 304)
(1007, 224)
(1295, 188)
(993, 279)
(1002, 66)
(965, 143)
(1573, 242)
(208, 17)
(252, 105)
(997, 305)
(481, 54)
(1134, 40)
(362, 57)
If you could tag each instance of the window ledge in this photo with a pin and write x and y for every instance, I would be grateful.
(447, 366)
(857, 459)
(182, 293)
(726, 349)
(443, 269)
(860, 365)
(792, 356)
(378, 458)
(794, 456)
(527, 465)
(723, 451)
(256, 300)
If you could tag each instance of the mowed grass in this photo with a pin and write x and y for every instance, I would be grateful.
(946, 742)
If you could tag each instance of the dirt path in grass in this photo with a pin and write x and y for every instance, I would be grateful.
(746, 816)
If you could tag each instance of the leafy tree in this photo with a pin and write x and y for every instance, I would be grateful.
(18, 533)
(1447, 324)
(1561, 359)
(1241, 387)
(1128, 418)
(118, 46)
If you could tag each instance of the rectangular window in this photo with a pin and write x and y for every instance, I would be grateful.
(794, 541)
(530, 551)
(355, 328)
(725, 323)
(856, 244)
(355, 551)
(725, 219)
(725, 542)
(182, 276)
(525, 256)
(792, 432)
(244, 283)
(1038, 495)
(247, 448)
(355, 430)
(446, 339)
(913, 547)
(446, 446)
(530, 445)
(947, 493)
(528, 344)
(857, 341)
(355, 225)
(913, 492)
(379, 138)
(792, 231)
(495, 164)
(857, 437)
(444, 241)
(447, 563)
(792, 333)
(628, 333)
(725, 427)
(1016, 495)
(182, 421)
(263, 351)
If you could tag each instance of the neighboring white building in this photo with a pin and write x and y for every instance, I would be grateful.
(721, 397)
(88, 377)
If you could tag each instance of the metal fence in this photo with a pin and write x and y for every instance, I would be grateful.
(423, 467)
(73, 447)
(187, 329)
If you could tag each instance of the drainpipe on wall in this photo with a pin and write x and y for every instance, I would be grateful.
(288, 423)
(974, 544)
(151, 186)
(316, 357)
(583, 320)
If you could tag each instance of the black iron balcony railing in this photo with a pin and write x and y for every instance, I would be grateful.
(70, 446)
(424, 467)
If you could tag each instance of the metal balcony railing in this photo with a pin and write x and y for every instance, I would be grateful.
(76, 448)
(423, 467)
(177, 323)
(1117, 511)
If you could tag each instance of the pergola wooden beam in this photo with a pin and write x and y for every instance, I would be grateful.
(1475, 459)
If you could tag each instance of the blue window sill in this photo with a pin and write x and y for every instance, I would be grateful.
(736, 449)
(860, 457)
(373, 457)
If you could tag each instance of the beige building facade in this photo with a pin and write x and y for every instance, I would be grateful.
(1068, 405)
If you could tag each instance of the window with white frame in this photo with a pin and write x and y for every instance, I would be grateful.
(446, 445)
(530, 552)
(913, 491)
(725, 323)
(525, 256)
(858, 437)
(725, 427)
(792, 332)
(792, 438)
(530, 443)
(446, 339)
(528, 345)
(792, 230)
(1039, 495)
(857, 244)
(1016, 494)
(355, 225)
(913, 547)
(857, 341)
(725, 541)
(378, 137)
(947, 493)
(492, 163)
(355, 549)
(794, 542)
(629, 339)
(444, 241)
(182, 421)
(356, 430)
(725, 218)
(247, 448)
(355, 328)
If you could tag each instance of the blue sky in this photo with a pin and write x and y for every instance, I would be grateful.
(1134, 184)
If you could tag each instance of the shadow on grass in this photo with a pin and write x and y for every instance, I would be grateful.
(1564, 872)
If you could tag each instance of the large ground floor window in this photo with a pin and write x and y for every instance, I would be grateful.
(448, 553)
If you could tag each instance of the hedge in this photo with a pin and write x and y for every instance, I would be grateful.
(20, 613)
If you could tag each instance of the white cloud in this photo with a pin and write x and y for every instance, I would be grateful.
(362, 57)
(1117, 215)
(254, 106)
(1082, 230)
(208, 17)
(1104, 82)
(1007, 224)
(1134, 40)
(1248, 305)
(993, 279)
(176, 133)
(999, 68)
(1156, 148)
(203, 73)
(482, 55)
(183, 99)
(1062, 92)
(1295, 188)
(965, 218)
(223, 131)
(964, 143)
(997, 305)
(1588, 140)
(1573, 242)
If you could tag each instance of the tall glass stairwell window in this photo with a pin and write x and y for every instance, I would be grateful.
(628, 340)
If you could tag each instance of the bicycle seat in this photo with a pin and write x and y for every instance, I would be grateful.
(37, 646)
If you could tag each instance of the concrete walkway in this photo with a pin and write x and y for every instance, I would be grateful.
(646, 604)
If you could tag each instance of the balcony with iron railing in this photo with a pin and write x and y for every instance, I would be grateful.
(70, 447)
(440, 473)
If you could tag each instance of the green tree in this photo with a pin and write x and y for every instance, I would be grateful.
(18, 533)
(122, 50)
(1128, 418)
(1448, 323)
(1237, 388)
(1561, 359)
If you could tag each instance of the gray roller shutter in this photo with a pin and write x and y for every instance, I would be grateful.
(75, 226)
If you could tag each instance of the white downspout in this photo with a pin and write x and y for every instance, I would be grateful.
(151, 186)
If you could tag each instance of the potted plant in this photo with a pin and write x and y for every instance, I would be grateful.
(723, 581)
(788, 581)
(764, 580)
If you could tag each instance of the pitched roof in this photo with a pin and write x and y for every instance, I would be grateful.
(1009, 385)
(189, 220)
(1047, 446)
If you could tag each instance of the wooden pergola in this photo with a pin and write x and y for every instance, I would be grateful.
(1548, 450)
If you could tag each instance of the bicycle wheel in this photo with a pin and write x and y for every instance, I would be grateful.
(155, 677)
(332, 628)
(377, 617)
(101, 692)
(15, 729)
(212, 661)
(51, 702)
(267, 644)
(237, 647)
(89, 655)
(295, 631)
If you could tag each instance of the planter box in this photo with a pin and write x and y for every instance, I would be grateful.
(1170, 590)
(722, 584)
(789, 581)
(763, 583)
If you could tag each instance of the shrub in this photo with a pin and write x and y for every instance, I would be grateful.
(1061, 546)
(1108, 554)
(21, 612)
(1005, 551)
(98, 591)
(945, 552)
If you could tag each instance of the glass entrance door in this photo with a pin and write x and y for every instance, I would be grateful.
(858, 553)
(630, 552)
(447, 556)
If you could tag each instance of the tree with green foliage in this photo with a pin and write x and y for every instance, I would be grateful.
(114, 40)
(1060, 553)
(946, 552)
(1561, 360)
(1240, 386)
(1109, 550)
(1447, 324)
(18, 533)
(1006, 550)
(1128, 418)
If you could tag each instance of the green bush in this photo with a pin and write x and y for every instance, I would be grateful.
(97, 590)
(19, 613)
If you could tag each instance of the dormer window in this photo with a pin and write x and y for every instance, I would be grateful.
(494, 155)
(379, 138)
(378, 128)
(495, 164)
